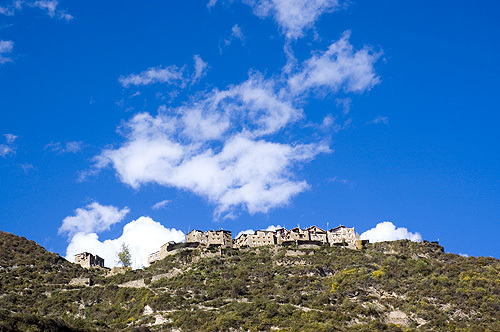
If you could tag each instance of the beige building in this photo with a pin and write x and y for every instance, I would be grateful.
(219, 238)
(242, 241)
(258, 239)
(162, 253)
(197, 236)
(342, 235)
(317, 234)
(264, 238)
(296, 234)
(87, 260)
(280, 235)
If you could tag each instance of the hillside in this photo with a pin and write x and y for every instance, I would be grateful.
(391, 286)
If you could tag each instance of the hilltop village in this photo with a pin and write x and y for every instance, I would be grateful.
(310, 237)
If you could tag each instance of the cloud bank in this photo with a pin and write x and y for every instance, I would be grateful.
(223, 145)
(387, 231)
(143, 236)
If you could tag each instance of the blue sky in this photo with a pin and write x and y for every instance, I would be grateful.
(142, 121)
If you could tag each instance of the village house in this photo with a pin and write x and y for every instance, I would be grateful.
(197, 236)
(317, 234)
(220, 238)
(296, 234)
(258, 239)
(87, 260)
(342, 235)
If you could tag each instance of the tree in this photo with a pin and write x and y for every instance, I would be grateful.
(124, 256)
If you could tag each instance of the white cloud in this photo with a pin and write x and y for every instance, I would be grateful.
(387, 231)
(169, 75)
(6, 46)
(214, 147)
(10, 138)
(338, 180)
(222, 145)
(331, 123)
(200, 68)
(237, 33)
(9, 147)
(293, 16)
(272, 228)
(93, 218)
(161, 205)
(50, 6)
(143, 236)
(27, 167)
(338, 67)
(379, 119)
(255, 174)
(10, 9)
(211, 3)
(5, 150)
(345, 104)
(135, 94)
(67, 147)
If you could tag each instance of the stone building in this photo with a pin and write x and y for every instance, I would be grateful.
(87, 260)
(317, 234)
(312, 237)
(257, 239)
(296, 234)
(242, 241)
(170, 248)
(220, 238)
(342, 235)
(280, 235)
(264, 238)
(197, 236)
(211, 238)
(164, 251)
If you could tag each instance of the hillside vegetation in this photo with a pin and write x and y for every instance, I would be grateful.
(390, 286)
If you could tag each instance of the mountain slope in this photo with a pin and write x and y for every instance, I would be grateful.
(391, 286)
